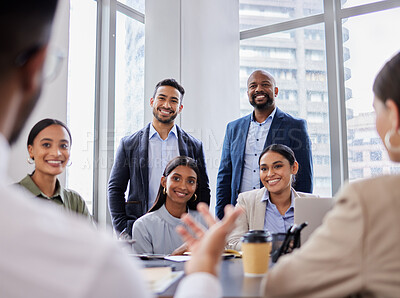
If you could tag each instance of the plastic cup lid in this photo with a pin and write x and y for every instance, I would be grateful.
(257, 236)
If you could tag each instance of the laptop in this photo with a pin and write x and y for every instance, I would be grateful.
(311, 210)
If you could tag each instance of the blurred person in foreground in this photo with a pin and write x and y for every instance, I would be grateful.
(44, 253)
(355, 252)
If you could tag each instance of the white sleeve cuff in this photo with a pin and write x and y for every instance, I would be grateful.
(199, 285)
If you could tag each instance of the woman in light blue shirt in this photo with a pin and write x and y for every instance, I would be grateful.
(154, 232)
(271, 207)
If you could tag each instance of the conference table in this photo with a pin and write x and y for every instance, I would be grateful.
(233, 281)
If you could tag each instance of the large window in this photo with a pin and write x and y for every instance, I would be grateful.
(106, 73)
(129, 77)
(138, 5)
(370, 42)
(81, 96)
(351, 3)
(255, 13)
(298, 42)
(296, 58)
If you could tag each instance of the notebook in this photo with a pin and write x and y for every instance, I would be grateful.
(311, 210)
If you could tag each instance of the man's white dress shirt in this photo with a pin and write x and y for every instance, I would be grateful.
(46, 253)
(255, 141)
(160, 153)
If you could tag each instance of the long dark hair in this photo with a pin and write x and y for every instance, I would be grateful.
(42, 124)
(283, 150)
(387, 82)
(174, 163)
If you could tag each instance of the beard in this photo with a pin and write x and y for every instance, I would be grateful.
(23, 116)
(164, 120)
(262, 106)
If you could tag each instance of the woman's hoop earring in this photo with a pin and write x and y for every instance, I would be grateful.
(69, 163)
(389, 146)
(30, 161)
(195, 197)
(164, 192)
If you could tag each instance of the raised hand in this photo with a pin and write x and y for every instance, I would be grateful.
(207, 245)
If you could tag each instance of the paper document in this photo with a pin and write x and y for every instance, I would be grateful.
(177, 258)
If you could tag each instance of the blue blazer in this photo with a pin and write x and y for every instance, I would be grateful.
(131, 165)
(285, 129)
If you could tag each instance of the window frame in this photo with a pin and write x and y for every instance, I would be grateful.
(104, 126)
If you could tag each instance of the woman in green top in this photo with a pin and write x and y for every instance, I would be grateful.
(49, 145)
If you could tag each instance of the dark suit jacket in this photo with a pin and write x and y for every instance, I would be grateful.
(131, 165)
(285, 129)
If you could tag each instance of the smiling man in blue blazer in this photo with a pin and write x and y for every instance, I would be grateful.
(246, 137)
(142, 157)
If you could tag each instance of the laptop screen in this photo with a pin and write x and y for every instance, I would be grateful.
(312, 211)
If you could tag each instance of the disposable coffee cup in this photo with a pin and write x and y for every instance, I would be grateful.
(256, 248)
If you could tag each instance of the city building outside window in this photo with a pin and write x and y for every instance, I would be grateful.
(361, 131)
(307, 74)
(298, 80)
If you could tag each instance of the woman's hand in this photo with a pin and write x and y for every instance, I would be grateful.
(207, 245)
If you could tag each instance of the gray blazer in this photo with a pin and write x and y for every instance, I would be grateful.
(254, 215)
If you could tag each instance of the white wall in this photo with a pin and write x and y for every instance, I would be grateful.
(162, 46)
(197, 42)
(53, 101)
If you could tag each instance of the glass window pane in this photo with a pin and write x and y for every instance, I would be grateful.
(138, 5)
(129, 77)
(296, 59)
(256, 13)
(368, 41)
(81, 96)
(350, 3)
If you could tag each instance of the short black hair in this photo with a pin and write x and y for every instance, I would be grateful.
(42, 124)
(25, 27)
(172, 83)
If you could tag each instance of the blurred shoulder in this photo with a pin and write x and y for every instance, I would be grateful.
(386, 187)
